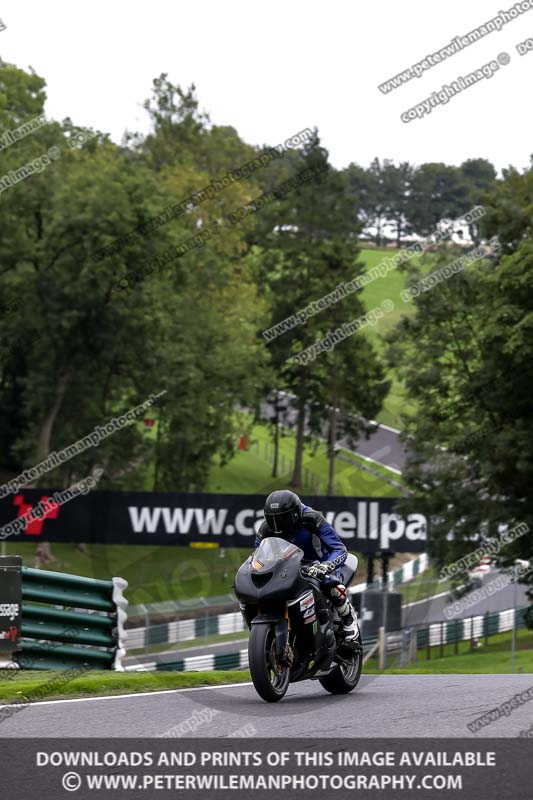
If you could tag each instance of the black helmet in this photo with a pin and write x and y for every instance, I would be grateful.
(283, 512)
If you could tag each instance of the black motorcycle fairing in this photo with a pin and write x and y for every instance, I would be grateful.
(266, 618)
(271, 574)
(249, 612)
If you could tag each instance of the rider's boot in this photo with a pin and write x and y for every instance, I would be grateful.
(346, 612)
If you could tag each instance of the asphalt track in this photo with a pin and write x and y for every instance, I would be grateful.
(400, 706)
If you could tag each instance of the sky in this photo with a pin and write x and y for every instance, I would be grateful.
(273, 69)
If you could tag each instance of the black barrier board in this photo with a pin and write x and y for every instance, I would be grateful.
(146, 518)
(10, 602)
(369, 606)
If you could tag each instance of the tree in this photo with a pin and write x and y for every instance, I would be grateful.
(480, 176)
(309, 247)
(377, 172)
(362, 187)
(508, 209)
(357, 389)
(178, 124)
(438, 192)
(397, 187)
(466, 361)
(80, 350)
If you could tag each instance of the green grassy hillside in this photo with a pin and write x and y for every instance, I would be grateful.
(250, 471)
(387, 288)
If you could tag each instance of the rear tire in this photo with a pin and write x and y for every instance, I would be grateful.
(345, 676)
(270, 683)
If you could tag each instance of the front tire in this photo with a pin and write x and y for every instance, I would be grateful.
(270, 680)
(345, 676)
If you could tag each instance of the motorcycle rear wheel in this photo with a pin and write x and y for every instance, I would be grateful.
(345, 676)
(269, 681)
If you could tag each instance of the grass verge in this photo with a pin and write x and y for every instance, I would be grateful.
(495, 657)
(24, 683)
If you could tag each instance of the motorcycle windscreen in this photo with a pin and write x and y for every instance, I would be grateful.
(272, 550)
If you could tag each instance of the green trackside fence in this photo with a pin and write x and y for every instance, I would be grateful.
(237, 659)
(69, 621)
(430, 638)
(472, 629)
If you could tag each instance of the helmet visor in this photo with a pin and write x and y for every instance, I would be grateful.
(284, 523)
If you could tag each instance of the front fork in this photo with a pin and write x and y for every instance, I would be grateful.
(281, 633)
(283, 651)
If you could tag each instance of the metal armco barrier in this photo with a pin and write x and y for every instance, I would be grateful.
(185, 630)
(397, 577)
(63, 638)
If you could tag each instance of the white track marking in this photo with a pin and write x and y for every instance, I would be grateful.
(426, 600)
(382, 425)
(373, 461)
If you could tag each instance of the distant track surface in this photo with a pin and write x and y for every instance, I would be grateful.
(382, 706)
(432, 609)
(383, 445)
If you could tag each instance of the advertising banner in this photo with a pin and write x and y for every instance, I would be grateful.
(365, 524)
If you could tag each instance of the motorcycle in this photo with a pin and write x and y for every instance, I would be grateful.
(295, 632)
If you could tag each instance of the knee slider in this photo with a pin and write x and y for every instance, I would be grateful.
(338, 592)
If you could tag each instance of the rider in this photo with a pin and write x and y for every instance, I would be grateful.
(287, 517)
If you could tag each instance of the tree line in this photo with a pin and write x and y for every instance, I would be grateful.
(414, 199)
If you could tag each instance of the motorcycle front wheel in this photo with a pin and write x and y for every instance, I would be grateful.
(270, 679)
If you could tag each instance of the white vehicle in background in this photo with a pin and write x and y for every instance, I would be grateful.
(477, 573)
(484, 566)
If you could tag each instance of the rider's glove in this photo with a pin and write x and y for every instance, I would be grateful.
(317, 569)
